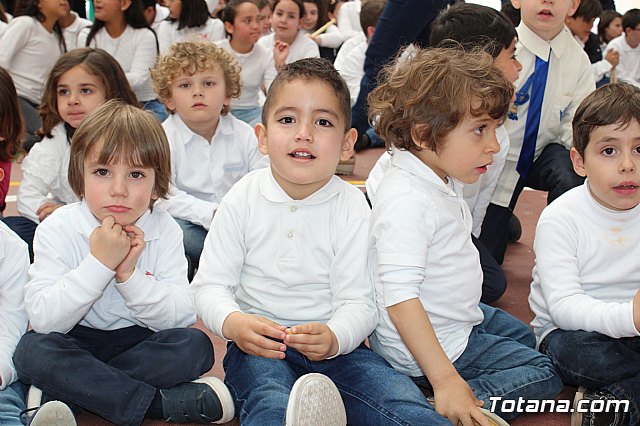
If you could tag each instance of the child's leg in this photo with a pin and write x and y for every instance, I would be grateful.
(11, 404)
(193, 238)
(374, 393)
(91, 369)
(496, 363)
(598, 362)
(260, 386)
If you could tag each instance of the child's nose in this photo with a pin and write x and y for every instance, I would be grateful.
(493, 147)
(304, 132)
(627, 163)
(118, 187)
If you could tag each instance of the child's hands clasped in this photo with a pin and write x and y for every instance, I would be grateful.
(455, 400)
(117, 247)
(314, 340)
(251, 333)
(128, 264)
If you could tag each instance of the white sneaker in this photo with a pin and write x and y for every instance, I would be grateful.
(53, 413)
(34, 401)
(315, 401)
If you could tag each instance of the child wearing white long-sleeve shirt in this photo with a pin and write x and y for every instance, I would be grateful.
(210, 148)
(108, 298)
(284, 271)
(585, 291)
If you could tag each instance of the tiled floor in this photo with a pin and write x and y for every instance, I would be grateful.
(517, 266)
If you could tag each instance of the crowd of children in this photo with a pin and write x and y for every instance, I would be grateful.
(220, 202)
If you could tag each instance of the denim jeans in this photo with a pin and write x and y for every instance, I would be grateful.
(12, 402)
(500, 360)
(193, 238)
(372, 391)
(157, 108)
(251, 116)
(597, 361)
(114, 374)
(25, 228)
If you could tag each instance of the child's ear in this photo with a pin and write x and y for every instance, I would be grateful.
(419, 135)
(574, 6)
(261, 134)
(125, 4)
(168, 103)
(578, 162)
(347, 144)
(228, 27)
(516, 3)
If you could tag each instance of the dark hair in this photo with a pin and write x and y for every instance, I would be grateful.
(3, 14)
(30, 8)
(228, 12)
(322, 12)
(631, 19)
(473, 26)
(194, 13)
(370, 14)
(605, 20)
(511, 13)
(97, 62)
(133, 16)
(311, 69)
(148, 3)
(11, 121)
(588, 10)
(616, 103)
(297, 2)
(426, 96)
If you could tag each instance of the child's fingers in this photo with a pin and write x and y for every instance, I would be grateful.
(133, 231)
(108, 222)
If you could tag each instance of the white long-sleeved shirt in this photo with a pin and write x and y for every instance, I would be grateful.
(292, 261)
(69, 286)
(331, 37)
(257, 67)
(72, 32)
(203, 172)
(349, 19)
(476, 195)
(136, 52)
(302, 47)
(168, 33)
(628, 69)
(45, 171)
(569, 80)
(420, 247)
(14, 264)
(586, 272)
(28, 53)
(350, 63)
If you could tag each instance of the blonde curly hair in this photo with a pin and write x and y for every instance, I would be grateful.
(190, 57)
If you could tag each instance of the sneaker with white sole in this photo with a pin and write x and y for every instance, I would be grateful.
(494, 419)
(205, 400)
(315, 401)
(52, 413)
(595, 418)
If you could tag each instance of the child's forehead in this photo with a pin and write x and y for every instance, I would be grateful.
(193, 71)
(301, 92)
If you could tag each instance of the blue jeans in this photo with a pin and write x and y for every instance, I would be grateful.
(500, 360)
(12, 402)
(193, 238)
(372, 391)
(251, 116)
(114, 374)
(25, 228)
(598, 362)
(157, 108)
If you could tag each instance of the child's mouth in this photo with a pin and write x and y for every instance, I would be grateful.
(302, 154)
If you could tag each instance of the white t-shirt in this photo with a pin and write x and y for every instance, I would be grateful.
(28, 53)
(629, 67)
(586, 272)
(420, 247)
(292, 261)
(14, 264)
(202, 172)
(302, 47)
(72, 32)
(68, 286)
(168, 33)
(350, 63)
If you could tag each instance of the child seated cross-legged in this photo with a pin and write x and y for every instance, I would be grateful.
(439, 113)
(585, 290)
(108, 297)
(210, 148)
(284, 273)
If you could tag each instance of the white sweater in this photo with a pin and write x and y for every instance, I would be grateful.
(587, 270)
(629, 67)
(302, 47)
(168, 33)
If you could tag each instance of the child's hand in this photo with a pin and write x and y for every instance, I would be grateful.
(314, 340)
(455, 400)
(613, 57)
(46, 209)
(128, 265)
(251, 333)
(109, 243)
(280, 53)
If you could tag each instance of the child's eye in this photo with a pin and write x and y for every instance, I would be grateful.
(286, 120)
(209, 83)
(86, 91)
(137, 174)
(324, 122)
(609, 151)
(63, 92)
(101, 172)
(480, 130)
(184, 85)
(637, 149)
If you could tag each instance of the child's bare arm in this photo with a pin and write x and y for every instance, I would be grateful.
(314, 340)
(453, 396)
(253, 334)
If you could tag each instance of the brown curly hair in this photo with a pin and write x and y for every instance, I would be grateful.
(425, 97)
(190, 57)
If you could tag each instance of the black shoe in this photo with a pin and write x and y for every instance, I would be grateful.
(599, 417)
(205, 400)
(515, 229)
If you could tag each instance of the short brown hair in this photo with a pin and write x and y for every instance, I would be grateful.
(190, 57)
(617, 103)
(311, 69)
(370, 13)
(435, 89)
(121, 133)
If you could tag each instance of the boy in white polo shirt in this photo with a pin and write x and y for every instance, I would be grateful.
(210, 148)
(628, 44)
(426, 269)
(284, 271)
(585, 290)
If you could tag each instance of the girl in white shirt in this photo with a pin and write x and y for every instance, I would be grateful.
(315, 16)
(241, 21)
(31, 45)
(609, 27)
(188, 20)
(80, 81)
(125, 34)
